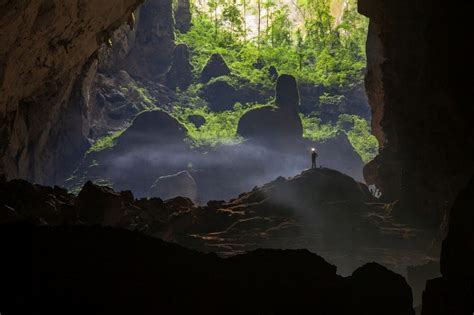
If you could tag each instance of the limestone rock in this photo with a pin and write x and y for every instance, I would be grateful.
(154, 128)
(48, 50)
(215, 67)
(287, 94)
(375, 290)
(275, 125)
(152, 52)
(171, 186)
(101, 205)
(180, 74)
(220, 94)
(86, 260)
(182, 16)
(338, 153)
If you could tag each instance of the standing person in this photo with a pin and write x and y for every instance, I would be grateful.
(314, 155)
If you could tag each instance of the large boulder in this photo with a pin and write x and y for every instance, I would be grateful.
(338, 153)
(220, 94)
(180, 74)
(215, 67)
(152, 53)
(377, 290)
(101, 205)
(180, 184)
(153, 127)
(280, 124)
(286, 93)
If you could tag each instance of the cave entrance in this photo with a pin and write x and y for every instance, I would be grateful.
(212, 75)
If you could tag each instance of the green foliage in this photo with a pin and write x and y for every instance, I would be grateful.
(142, 93)
(315, 130)
(219, 128)
(317, 51)
(360, 136)
(356, 128)
(105, 142)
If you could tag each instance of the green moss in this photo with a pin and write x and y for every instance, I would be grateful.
(356, 128)
(360, 136)
(219, 128)
(105, 142)
(143, 94)
(315, 130)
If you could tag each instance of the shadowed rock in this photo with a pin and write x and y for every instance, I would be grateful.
(180, 74)
(275, 125)
(86, 262)
(215, 67)
(182, 16)
(153, 127)
(179, 184)
(220, 94)
(377, 290)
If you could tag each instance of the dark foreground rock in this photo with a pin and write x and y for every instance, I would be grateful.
(321, 209)
(453, 293)
(108, 271)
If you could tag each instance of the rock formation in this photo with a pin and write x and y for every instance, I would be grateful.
(182, 16)
(419, 111)
(453, 293)
(320, 209)
(215, 67)
(87, 262)
(47, 51)
(275, 125)
(152, 52)
(220, 94)
(181, 184)
(180, 74)
(154, 127)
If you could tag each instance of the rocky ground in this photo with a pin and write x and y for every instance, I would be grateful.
(78, 239)
(101, 270)
(322, 210)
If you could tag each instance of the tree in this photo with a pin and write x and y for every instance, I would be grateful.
(269, 6)
(213, 8)
(231, 14)
(299, 48)
(244, 20)
(281, 27)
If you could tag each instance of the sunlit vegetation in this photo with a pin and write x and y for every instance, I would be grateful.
(301, 38)
(219, 127)
(320, 42)
(105, 142)
(356, 128)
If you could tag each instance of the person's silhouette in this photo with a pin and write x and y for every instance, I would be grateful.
(314, 155)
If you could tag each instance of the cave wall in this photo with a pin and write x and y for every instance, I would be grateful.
(46, 59)
(420, 97)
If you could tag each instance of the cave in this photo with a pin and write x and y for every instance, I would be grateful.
(116, 197)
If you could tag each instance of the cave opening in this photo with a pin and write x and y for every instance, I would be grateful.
(212, 67)
(193, 122)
